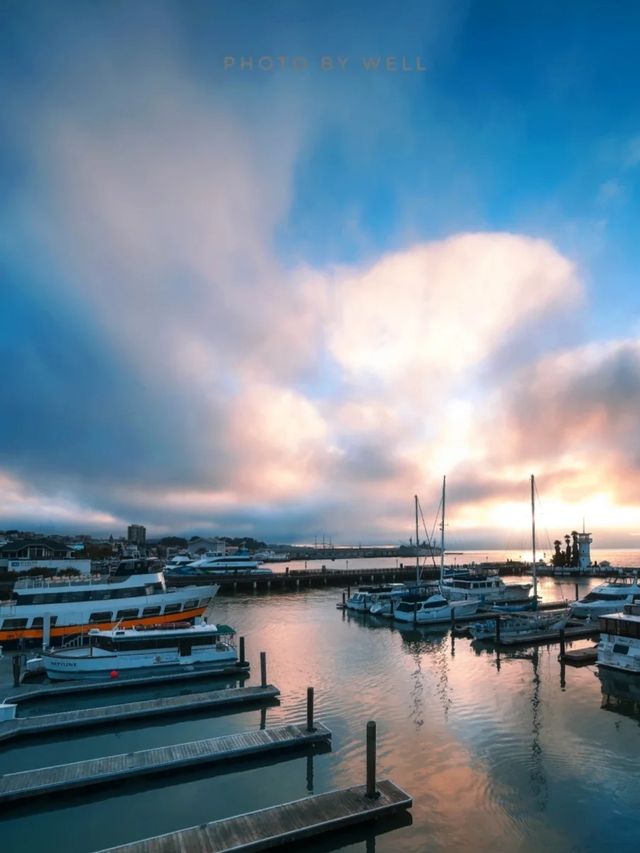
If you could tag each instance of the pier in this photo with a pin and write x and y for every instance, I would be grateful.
(287, 823)
(100, 771)
(165, 706)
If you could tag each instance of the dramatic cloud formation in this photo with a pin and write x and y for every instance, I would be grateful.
(229, 306)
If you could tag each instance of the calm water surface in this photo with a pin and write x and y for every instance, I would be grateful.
(498, 754)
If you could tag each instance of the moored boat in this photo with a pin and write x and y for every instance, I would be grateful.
(432, 609)
(108, 654)
(608, 597)
(43, 611)
(619, 646)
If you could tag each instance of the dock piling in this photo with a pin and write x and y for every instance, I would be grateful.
(577, 596)
(344, 599)
(16, 670)
(371, 793)
(241, 650)
(263, 669)
(498, 629)
(310, 727)
(562, 644)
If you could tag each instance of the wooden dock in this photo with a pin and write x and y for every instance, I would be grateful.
(100, 771)
(578, 657)
(164, 706)
(32, 694)
(287, 823)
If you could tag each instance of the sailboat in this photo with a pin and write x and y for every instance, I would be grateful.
(520, 624)
(433, 607)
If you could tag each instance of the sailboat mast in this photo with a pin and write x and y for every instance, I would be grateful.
(444, 485)
(417, 544)
(533, 542)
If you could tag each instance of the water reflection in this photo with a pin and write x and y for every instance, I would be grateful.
(620, 692)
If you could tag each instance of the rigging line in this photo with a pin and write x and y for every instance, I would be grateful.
(543, 514)
(431, 539)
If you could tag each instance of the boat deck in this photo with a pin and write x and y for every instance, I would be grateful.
(100, 771)
(288, 823)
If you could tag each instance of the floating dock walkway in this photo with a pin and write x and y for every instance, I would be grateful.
(578, 657)
(100, 771)
(86, 717)
(287, 823)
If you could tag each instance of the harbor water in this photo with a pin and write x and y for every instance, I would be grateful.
(500, 753)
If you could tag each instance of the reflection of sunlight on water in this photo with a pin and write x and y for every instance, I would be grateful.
(496, 757)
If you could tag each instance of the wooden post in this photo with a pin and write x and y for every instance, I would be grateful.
(310, 727)
(242, 658)
(348, 591)
(263, 669)
(16, 670)
(371, 760)
(577, 596)
(453, 617)
(562, 644)
(344, 599)
(497, 629)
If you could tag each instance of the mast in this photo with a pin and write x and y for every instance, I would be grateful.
(533, 543)
(415, 497)
(444, 485)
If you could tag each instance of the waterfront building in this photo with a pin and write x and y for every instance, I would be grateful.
(137, 535)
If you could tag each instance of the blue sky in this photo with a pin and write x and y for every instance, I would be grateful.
(281, 303)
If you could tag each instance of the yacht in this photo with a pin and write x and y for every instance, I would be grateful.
(608, 597)
(135, 594)
(369, 597)
(272, 556)
(386, 602)
(241, 563)
(619, 646)
(107, 654)
(490, 589)
(432, 609)
(178, 561)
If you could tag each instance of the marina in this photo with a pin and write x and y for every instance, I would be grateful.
(437, 689)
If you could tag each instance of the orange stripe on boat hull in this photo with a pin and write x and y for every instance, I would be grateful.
(69, 630)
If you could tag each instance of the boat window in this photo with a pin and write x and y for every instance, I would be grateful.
(101, 616)
(204, 602)
(404, 607)
(14, 624)
(619, 649)
(193, 602)
(151, 611)
(36, 622)
(127, 614)
(427, 604)
(172, 608)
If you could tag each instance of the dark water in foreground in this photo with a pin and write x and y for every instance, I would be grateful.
(497, 755)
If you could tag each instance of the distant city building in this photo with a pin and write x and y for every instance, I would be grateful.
(33, 549)
(201, 545)
(137, 535)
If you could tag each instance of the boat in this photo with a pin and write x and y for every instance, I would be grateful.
(178, 561)
(608, 597)
(42, 610)
(272, 556)
(619, 646)
(240, 563)
(520, 625)
(141, 649)
(490, 589)
(373, 599)
(433, 607)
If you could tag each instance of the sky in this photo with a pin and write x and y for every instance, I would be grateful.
(249, 287)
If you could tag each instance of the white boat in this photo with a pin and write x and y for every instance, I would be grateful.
(48, 610)
(619, 646)
(272, 557)
(178, 561)
(107, 654)
(520, 625)
(385, 602)
(490, 589)
(374, 598)
(608, 597)
(225, 564)
(432, 609)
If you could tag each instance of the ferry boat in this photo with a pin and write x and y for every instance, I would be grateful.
(131, 650)
(240, 563)
(136, 594)
(608, 597)
(619, 646)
